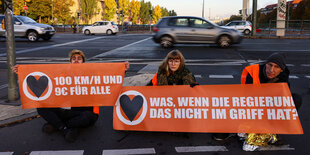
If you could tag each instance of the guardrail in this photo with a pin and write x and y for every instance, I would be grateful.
(293, 28)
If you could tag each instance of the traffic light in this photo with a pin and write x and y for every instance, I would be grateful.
(78, 14)
(150, 12)
(121, 12)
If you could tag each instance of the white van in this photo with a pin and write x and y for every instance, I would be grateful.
(28, 28)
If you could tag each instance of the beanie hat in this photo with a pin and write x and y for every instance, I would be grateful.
(277, 58)
(78, 52)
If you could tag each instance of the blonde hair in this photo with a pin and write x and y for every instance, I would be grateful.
(174, 54)
(76, 52)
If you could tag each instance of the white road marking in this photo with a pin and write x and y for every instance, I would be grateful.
(53, 46)
(221, 76)
(129, 151)
(200, 149)
(4, 86)
(293, 77)
(115, 50)
(197, 76)
(67, 152)
(6, 153)
(305, 65)
(307, 77)
(290, 65)
(276, 148)
(149, 69)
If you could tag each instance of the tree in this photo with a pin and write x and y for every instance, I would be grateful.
(157, 13)
(88, 9)
(110, 9)
(40, 9)
(134, 9)
(172, 13)
(18, 7)
(145, 12)
(61, 10)
(124, 7)
(164, 12)
(1, 7)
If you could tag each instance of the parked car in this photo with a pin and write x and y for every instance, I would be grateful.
(188, 29)
(28, 28)
(242, 26)
(107, 27)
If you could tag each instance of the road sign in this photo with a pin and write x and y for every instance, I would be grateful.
(25, 7)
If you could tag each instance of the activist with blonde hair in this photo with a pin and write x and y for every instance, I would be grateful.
(172, 71)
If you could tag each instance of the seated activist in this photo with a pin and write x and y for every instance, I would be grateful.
(274, 70)
(69, 120)
(172, 71)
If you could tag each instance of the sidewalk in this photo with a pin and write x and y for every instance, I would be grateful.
(12, 112)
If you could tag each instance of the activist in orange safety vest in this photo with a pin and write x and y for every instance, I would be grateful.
(172, 71)
(273, 71)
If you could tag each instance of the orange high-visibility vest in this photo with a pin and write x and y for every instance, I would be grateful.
(253, 70)
(154, 80)
(96, 110)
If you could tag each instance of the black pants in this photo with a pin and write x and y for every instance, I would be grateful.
(70, 118)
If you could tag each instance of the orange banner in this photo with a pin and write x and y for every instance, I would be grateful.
(264, 108)
(70, 85)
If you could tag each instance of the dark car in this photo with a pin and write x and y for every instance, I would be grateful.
(188, 29)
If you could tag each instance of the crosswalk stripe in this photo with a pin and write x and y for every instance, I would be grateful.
(307, 77)
(293, 77)
(198, 76)
(6, 153)
(4, 86)
(129, 151)
(221, 76)
(276, 148)
(67, 152)
(200, 149)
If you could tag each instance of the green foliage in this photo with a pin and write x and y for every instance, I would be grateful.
(164, 12)
(135, 10)
(172, 13)
(124, 6)
(144, 12)
(39, 10)
(110, 9)
(61, 11)
(88, 9)
(18, 7)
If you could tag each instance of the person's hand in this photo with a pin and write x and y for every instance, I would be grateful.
(15, 69)
(126, 65)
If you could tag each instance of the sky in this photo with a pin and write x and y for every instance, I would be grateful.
(214, 8)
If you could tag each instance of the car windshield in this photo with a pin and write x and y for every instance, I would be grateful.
(113, 23)
(27, 20)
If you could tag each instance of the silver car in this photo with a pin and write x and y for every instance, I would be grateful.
(107, 27)
(188, 29)
(27, 27)
(242, 26)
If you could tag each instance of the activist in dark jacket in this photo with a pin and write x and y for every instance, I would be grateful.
(172, 71)
(68, 120)
(273, 71)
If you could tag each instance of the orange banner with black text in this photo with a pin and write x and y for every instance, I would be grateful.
(263, 108)
(70, 85)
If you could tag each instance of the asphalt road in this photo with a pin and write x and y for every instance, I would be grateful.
(210, 65)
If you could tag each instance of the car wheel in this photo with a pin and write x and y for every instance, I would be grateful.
(109, 32)
(32, 36)
(246, 32)
(87, 32)
(166, 42)
(224, 41)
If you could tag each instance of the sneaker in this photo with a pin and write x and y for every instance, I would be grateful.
(48, 128)
(248, 147)
(242, 136)
(71, 134)
(221, 136)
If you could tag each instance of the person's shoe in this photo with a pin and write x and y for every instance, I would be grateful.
(48, 128)
(249, 147)
(71, 134)
(221, 136)
(242, 136)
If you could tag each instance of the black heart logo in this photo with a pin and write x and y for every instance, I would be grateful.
(37, 86)
(131, 108)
